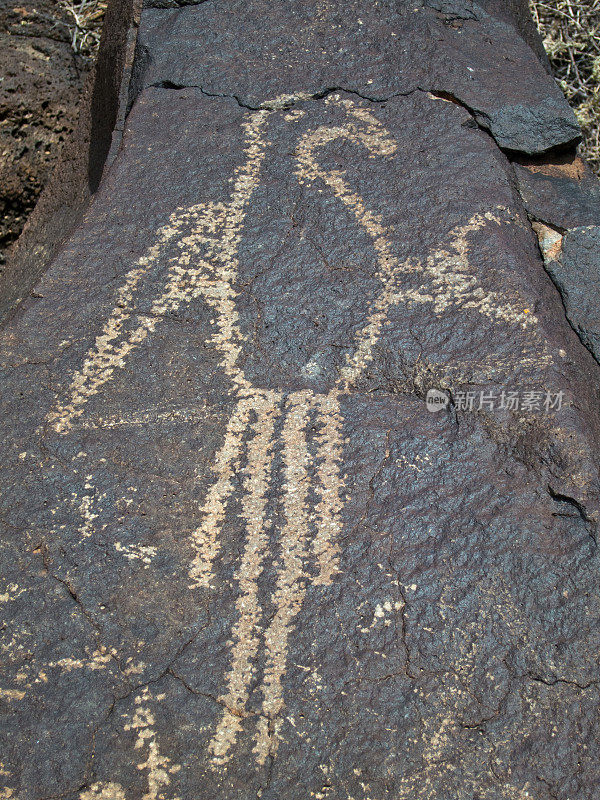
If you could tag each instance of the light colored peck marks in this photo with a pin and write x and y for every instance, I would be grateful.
(303, 428)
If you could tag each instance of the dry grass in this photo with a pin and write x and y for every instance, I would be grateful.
(571, 33)
(84, 25)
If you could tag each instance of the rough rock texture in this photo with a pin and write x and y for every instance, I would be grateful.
(241, 558)
(576, 272)
(40, 87)
(101, 108)
(562, 198)
(562, 192)
(379, 50)
(572, 260)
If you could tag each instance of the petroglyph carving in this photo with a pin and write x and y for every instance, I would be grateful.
(206, 266)
(157, 767)
(103, 791)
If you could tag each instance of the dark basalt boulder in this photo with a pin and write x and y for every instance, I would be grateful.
(299, 430)
(561, 191)
(573, 263)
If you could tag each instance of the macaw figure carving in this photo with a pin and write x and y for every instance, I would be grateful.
(205, 269)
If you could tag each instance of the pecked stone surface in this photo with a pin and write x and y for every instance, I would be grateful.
(258, 50)
(241, 558)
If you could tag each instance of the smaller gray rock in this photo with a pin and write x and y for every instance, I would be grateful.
(533, 129)
(484, 66)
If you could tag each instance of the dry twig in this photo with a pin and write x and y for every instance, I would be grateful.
(85, 24)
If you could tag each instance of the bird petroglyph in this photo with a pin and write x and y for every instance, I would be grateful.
(303, 427)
